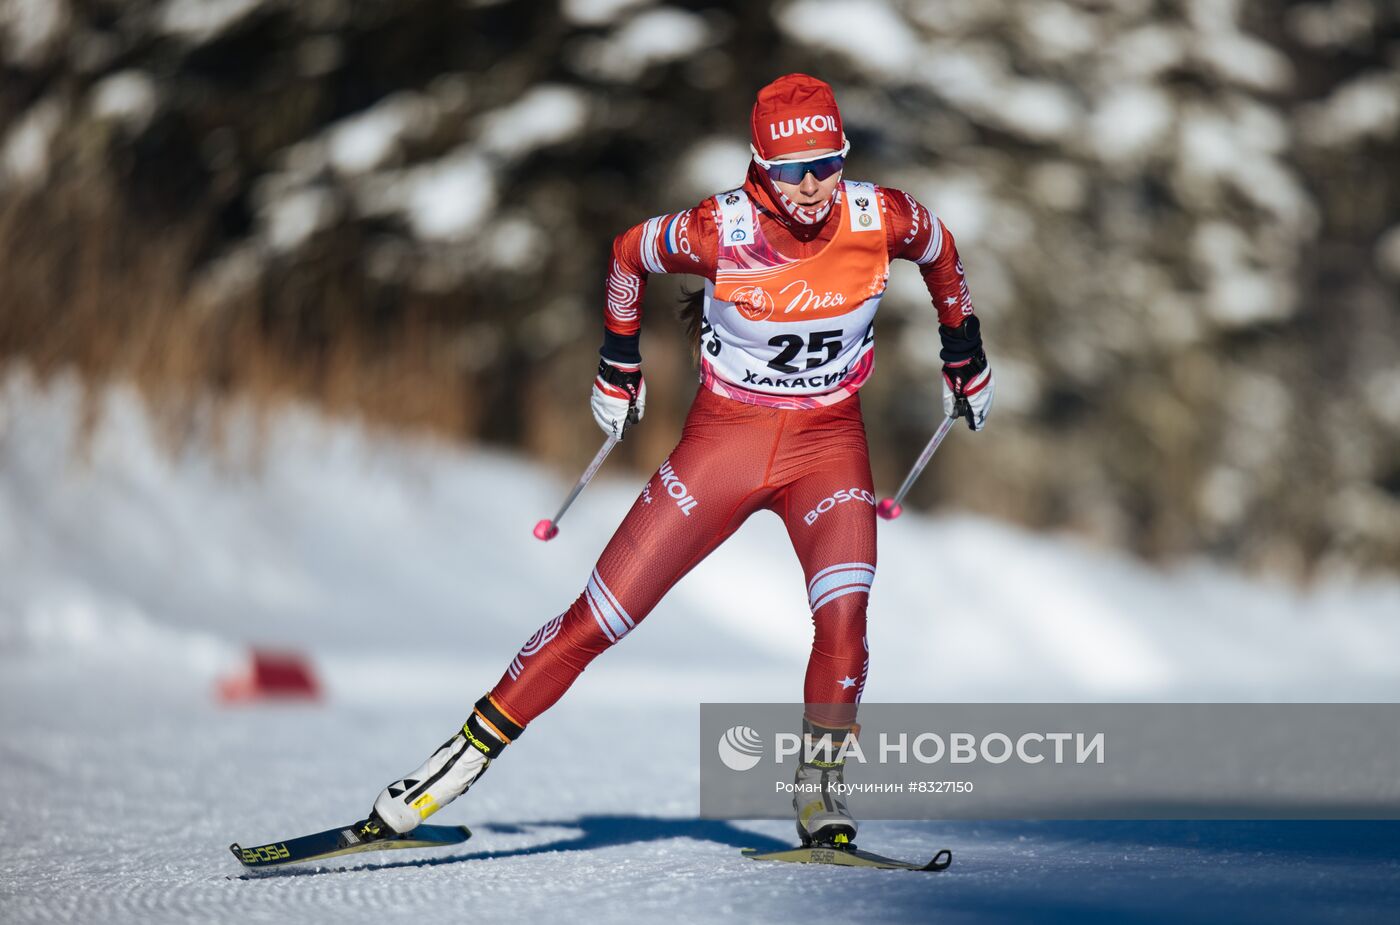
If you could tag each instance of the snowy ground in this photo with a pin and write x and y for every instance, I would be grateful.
(130, 580)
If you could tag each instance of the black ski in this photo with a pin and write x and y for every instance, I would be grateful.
(346, 840)
(849, 856)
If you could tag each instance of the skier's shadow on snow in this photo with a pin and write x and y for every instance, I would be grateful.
(595, 832)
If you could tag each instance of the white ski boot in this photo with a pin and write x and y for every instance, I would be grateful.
(819, 799)
(446, 775)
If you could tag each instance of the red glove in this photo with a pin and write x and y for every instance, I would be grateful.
(967, 379)
(619, 397)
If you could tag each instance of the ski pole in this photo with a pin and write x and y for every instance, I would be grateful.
(548, 529)
(890, 508)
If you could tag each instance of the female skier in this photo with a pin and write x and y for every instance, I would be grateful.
(795, 262)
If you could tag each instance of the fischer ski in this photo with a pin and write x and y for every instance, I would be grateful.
(351, 839)
(848, 856)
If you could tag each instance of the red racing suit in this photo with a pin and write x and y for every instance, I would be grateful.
(786, 342)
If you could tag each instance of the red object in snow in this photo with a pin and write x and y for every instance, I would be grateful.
(271, 675)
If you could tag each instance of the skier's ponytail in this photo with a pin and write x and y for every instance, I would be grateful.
(690, 312)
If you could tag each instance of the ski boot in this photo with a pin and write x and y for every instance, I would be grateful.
(446, 775)
(819, 798)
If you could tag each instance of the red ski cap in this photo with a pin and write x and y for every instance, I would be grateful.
(795, 113)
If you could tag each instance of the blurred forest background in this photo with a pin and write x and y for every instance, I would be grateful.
(1180, 221)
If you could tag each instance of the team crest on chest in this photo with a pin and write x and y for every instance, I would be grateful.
(753, 302)
(862, 204)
